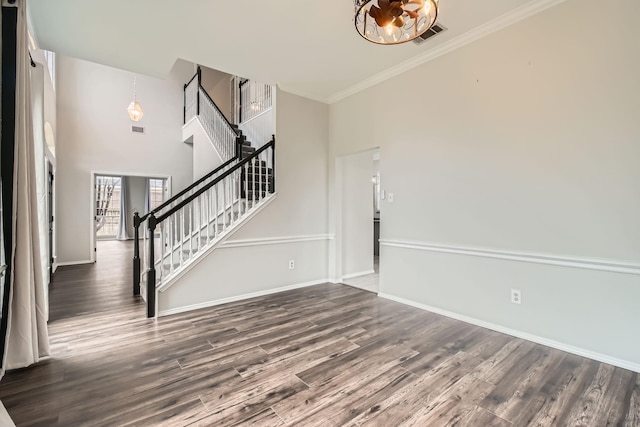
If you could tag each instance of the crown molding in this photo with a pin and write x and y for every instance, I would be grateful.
(470, 36)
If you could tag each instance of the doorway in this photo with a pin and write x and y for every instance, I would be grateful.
(116, 197)
(358, 179)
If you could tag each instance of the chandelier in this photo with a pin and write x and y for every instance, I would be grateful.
(394, 21)
(135, 109)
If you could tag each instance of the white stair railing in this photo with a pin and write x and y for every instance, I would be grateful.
(251, 98)
(198, 103)
(194, 223)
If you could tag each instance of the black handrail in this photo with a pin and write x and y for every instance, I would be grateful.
(218, 108)
(138, 220)
(235, 167)
(153, 221)
(194, 76)
(198, 75)
(189, 188)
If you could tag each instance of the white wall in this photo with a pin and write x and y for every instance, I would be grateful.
(294, 226)
(205, 156)
(357, 213)
(50, 113)
(93, 134)
(523, 141)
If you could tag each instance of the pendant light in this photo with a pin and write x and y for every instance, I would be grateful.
(135, 109)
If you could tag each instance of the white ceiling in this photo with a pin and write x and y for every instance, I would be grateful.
(308, 47)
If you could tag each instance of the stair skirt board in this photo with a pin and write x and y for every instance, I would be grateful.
(172, 279)
(240, 297)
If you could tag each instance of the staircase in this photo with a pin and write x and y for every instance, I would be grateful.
(195, 221)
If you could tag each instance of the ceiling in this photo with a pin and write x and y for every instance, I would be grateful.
(308, 48)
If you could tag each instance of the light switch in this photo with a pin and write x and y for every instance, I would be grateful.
(390, 197)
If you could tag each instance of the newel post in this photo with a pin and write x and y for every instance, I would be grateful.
(136, 254)
(199, 73)
(151, 275)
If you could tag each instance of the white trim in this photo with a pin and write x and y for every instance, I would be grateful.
(361, 273)
(240, 297)
(262, 113)
(470, 36)
(625, 364)
(62, 264)
(613, 266)
(191, 263)
(198, 122)
(273, 241)
(188, 123)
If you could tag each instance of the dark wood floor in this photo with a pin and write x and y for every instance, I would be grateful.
(327, 355)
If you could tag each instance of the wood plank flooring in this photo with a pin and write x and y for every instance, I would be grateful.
(327, 355)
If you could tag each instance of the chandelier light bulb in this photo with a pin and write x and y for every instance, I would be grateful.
(389, 29)
(135, 111)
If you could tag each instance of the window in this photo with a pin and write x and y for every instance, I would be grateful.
(107, 217)
(156, 192)
(50, 57)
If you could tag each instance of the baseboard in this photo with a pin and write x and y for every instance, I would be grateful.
(62, 264)
(519, 334)
(240, 297)
(361, 273)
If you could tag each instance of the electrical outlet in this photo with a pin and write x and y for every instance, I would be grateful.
(292, 264)
(516, 296)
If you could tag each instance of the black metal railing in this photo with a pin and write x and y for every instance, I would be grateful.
(237, 166)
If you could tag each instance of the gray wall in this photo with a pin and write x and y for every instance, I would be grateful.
(93, 134)
(523, 142)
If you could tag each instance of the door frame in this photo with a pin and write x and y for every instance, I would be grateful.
(339, 241)
(92, 186)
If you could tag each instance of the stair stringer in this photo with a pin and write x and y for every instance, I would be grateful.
(215, 243)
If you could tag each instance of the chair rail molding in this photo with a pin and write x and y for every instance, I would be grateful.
(274, 240)
(609, 265)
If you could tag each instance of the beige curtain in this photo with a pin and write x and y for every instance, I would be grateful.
(27, 336)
